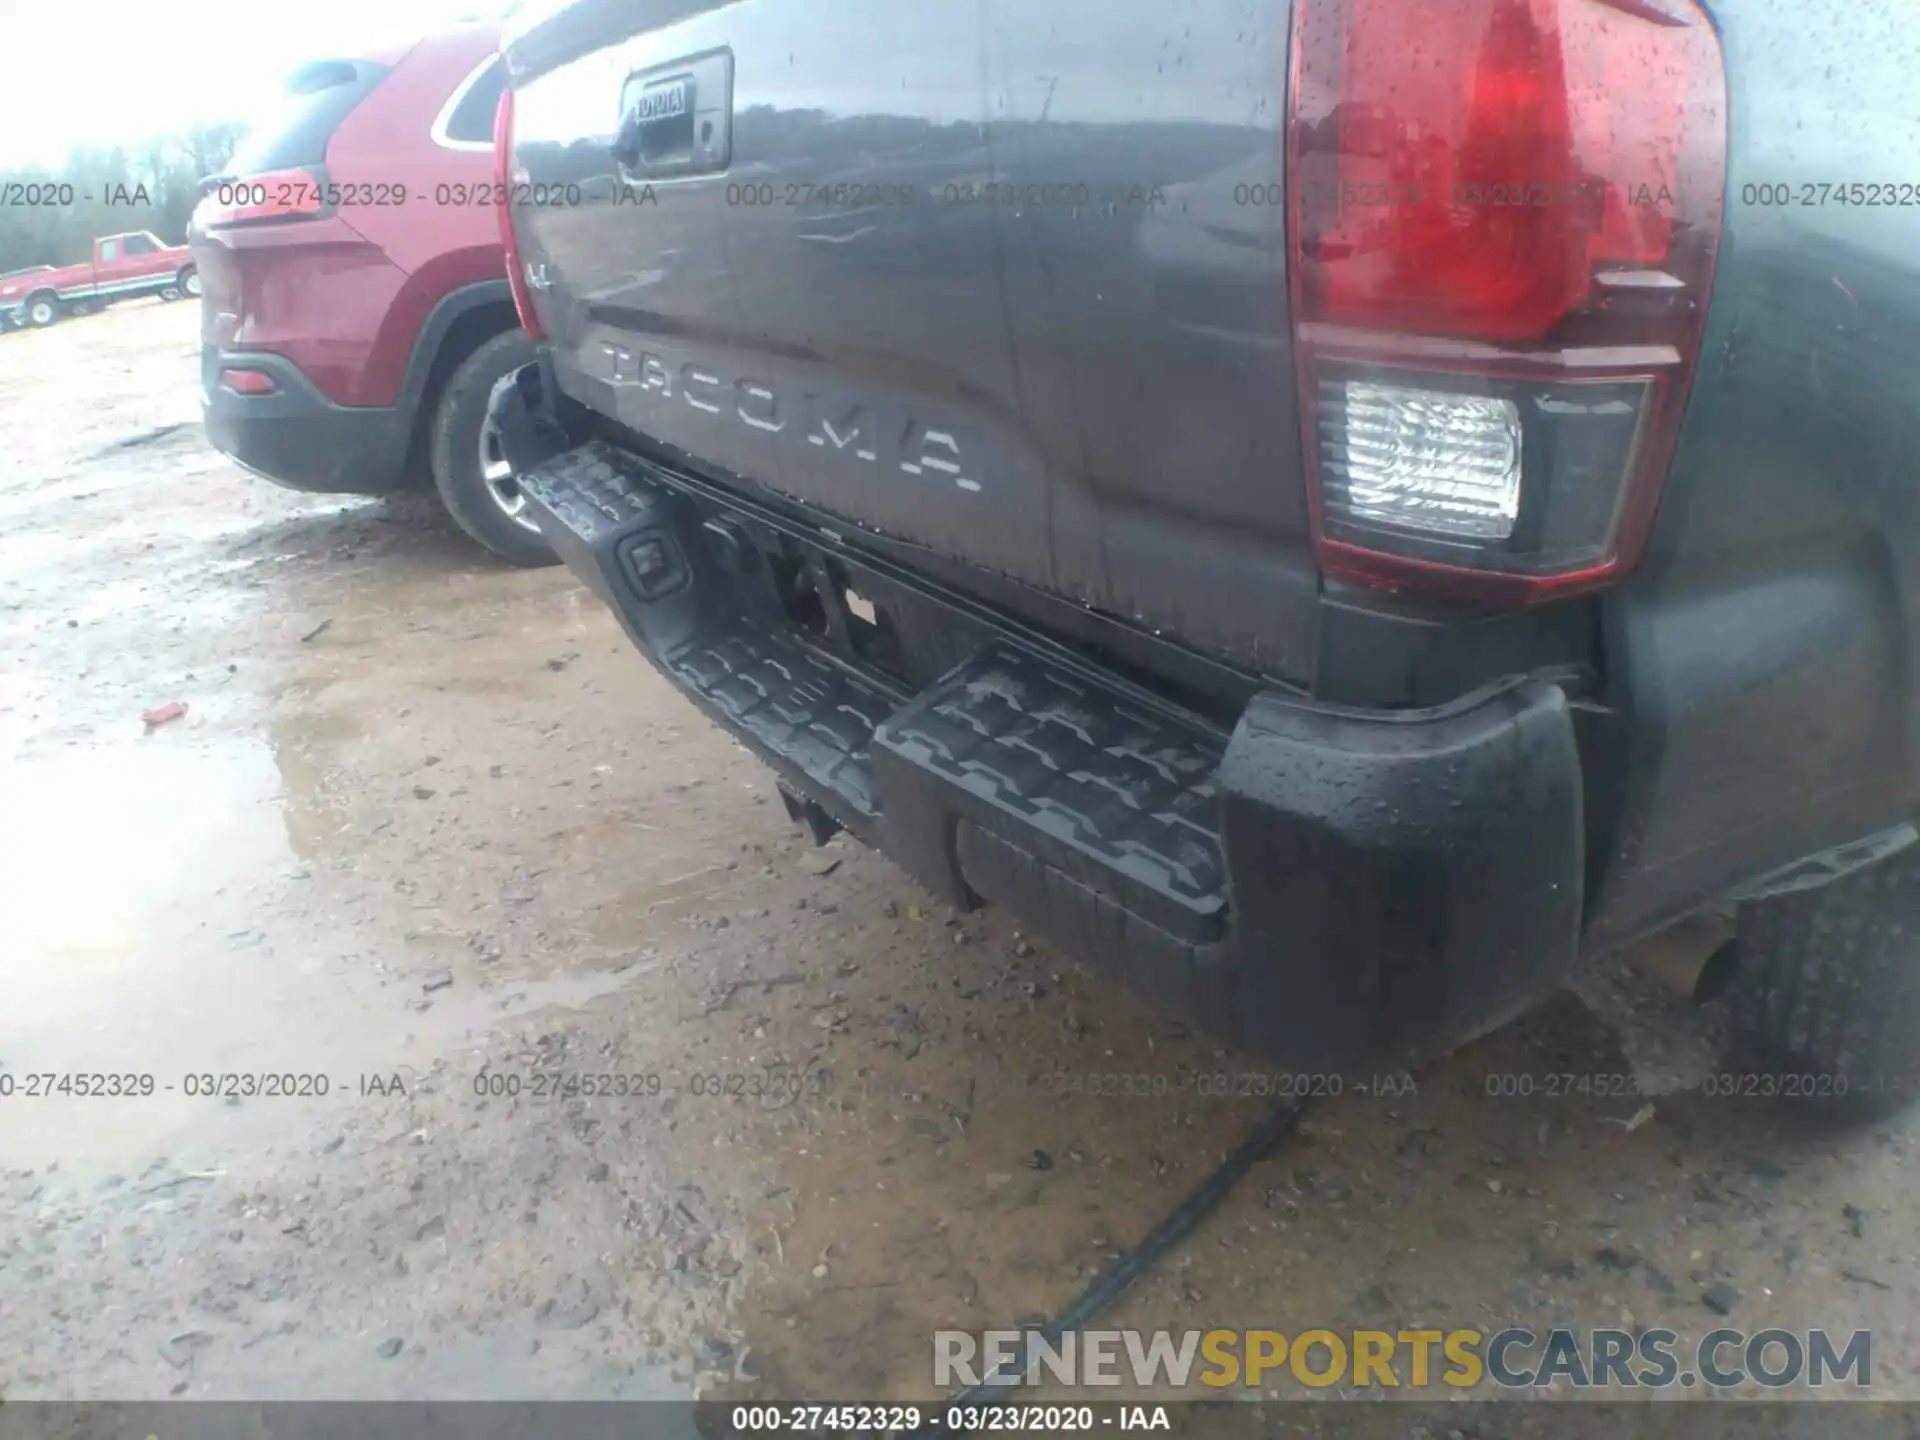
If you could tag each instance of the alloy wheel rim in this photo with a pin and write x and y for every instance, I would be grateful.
(497, 475)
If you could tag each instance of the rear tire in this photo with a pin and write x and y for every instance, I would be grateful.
(473, 480)
(188, 282)
(1826, 996)
(42, 309)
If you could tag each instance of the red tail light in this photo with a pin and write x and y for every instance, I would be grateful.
(1504, 216)
(248, 382)
(503, 187)
(302, 194)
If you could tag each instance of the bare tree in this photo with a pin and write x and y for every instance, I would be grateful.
(52, 218)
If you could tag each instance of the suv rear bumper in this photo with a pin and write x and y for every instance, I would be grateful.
(298, 438)
(1321, 884)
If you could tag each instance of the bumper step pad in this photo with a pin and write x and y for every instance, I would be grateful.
(1115, 795)
(814, 715)
(811, 718)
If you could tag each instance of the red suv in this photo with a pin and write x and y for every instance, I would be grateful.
(355, 311)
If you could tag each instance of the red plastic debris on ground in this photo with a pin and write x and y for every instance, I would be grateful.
(161, 714)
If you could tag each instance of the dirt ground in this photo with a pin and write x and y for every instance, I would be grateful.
(430, 831)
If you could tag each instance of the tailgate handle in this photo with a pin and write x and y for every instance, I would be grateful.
(626, 144)
(676, 118)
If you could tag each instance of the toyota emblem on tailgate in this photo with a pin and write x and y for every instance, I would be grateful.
(677, 118)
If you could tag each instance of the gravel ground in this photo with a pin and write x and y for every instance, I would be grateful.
(429, 832)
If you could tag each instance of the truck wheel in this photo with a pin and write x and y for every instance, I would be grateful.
(475, 482)
(1826, 992)
(42, 309)
(188, 283)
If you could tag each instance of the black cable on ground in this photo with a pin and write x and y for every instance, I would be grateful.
(1117, 1278)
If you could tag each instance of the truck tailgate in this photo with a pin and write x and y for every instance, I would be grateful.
(988, 288)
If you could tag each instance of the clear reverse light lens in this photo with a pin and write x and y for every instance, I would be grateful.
(1428, 460)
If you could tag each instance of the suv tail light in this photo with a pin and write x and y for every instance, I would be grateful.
(248, 382)
(279, 172)
(273, 195)
(503, 183)
(1503, 222)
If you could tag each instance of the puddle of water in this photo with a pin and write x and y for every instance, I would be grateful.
(160, 926)
(156, 930)
(115, 853)
(126, 872)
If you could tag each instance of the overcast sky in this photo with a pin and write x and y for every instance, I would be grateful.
(115, 71)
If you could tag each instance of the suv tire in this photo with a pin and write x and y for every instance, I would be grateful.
(477, 493)
(1826, 996)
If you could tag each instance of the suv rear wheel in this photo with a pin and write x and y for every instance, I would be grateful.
(1826, 993)
(474, 480)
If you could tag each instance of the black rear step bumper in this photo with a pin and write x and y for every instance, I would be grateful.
(1321, 885)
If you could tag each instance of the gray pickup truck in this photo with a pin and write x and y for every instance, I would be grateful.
(1342, 512)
